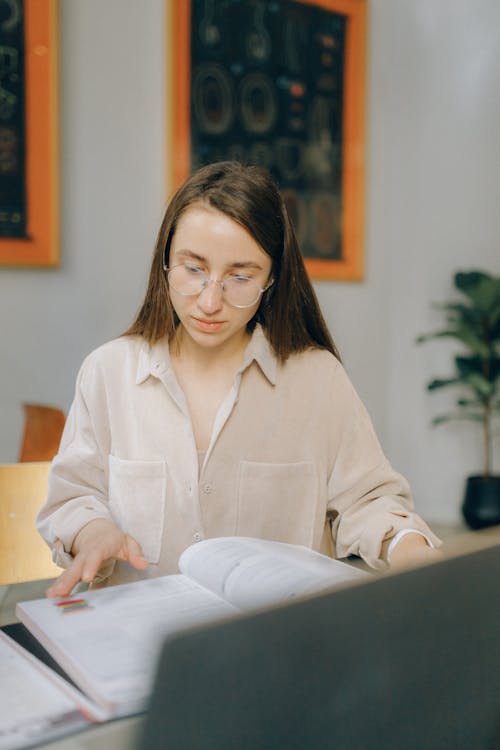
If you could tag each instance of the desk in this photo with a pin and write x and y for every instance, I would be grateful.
(19, 592)
(121, 734)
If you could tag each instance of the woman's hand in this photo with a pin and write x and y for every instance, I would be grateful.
(96, 542)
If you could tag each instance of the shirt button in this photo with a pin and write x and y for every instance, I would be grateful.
(190, 489)
(197, 537)
(207, 489)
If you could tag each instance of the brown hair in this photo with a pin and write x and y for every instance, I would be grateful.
(289, 312)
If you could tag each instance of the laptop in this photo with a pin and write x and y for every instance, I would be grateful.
(406, 661)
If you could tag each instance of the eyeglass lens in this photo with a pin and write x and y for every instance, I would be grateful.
(238, 291)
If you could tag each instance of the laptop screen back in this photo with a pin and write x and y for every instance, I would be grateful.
(403, 661)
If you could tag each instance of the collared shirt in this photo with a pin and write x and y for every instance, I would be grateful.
(293, 456)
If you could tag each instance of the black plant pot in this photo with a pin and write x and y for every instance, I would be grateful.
(481, 506)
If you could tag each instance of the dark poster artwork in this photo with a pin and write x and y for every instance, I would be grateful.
(267, 88)
(12, 120)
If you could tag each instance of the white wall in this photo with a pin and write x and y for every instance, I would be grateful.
(439, 61)
(433, 180)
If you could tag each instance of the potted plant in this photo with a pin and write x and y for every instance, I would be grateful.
(474, 320)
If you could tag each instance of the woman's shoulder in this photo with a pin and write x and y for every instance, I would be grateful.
(312, 368)
(316, 361)
(320, 373)
(123, 346)
(115, 356)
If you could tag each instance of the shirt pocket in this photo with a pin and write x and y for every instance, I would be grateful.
(137, 492)
(277, 501)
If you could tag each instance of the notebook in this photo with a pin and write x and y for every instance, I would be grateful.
(408, 660)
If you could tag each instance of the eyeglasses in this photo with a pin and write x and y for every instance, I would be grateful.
(238, 290)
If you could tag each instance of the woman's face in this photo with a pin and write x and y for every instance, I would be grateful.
(207, 241)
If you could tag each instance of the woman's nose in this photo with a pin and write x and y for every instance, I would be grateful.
(210, 298)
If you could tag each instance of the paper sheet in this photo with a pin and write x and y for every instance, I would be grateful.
(32, 705)
(127, 623)
(255, 572)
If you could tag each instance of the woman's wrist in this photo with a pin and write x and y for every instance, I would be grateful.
(396, 539)
(403, 542)
(411, 549)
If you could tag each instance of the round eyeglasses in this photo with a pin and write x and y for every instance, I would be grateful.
(238, 290)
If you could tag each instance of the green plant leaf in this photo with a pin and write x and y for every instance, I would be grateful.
(467, 365)
(474, 322)
(480, 385)
(487, 367)
(473, 341)
(495, 326)
(443, 418)
(482, 288)
(469, 280)
(442, 383)
(435, 335)
(468, 337)
(467, 402)
(457, 312)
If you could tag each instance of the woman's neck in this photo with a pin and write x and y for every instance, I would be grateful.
(209, 358)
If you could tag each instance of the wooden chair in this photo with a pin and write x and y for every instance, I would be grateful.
(24, 556)
(43, 426)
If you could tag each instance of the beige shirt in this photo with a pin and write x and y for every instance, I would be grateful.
(292, 457)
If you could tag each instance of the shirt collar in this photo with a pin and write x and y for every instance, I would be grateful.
(260, 351)
(155, 359)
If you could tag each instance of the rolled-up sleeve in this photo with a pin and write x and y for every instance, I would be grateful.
(78, 478)
(369, 501)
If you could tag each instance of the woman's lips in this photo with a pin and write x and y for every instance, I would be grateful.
(208, 326)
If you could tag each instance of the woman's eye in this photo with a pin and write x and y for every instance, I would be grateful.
(194, 270)
(239, 278)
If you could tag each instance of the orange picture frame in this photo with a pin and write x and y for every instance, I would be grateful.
(40, 246)
(350, 266)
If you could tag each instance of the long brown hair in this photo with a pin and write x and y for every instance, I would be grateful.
(289, 312)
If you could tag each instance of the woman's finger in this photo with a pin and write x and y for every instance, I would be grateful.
(67, 581)
(133, 553)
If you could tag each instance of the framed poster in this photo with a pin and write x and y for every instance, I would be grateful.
(279, 83)
(29, 220)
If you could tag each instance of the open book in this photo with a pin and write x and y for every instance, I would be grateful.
(35, 703)
(108, 640)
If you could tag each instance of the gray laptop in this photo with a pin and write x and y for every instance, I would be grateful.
(407, 662)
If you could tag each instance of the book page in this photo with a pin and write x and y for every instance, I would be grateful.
(256, 572)
(35, 703)
(108, 640)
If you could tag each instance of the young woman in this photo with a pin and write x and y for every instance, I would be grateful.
(223, 410)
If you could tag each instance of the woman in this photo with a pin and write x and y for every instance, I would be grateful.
(223, 410)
